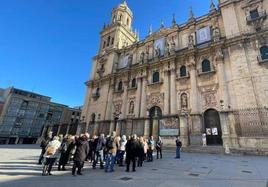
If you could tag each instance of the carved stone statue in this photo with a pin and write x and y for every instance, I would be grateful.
(184, 103)
(219, 55)
(216, 34)
(172, 46)
(130, 59)
(191, 41)
(167, 49)
(131, 107)
(157, 52)
(142, 57)
(147, 53)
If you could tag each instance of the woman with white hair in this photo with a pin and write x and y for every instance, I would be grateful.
(122, 150)
(51, 155)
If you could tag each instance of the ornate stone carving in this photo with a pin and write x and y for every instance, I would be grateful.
(157, 52)
(172, 45)
(184, 101)
(131, 107)
(190, 41)
(147, 53)
(219, 55)
(209, 99)
(117, 108)
(130, 59)
(155, 99)
(216, 34)
(167, 49)
(142, 55)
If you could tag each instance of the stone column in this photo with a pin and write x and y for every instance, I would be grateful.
(125, 101)
(147, 127)
(223, 88)
(184, 133)
(143, 98)
(232, 129)
(138, 98)
(173, 94)
(118, 127)
(225, 131)
(196, 118)
(112, 125)
(108, 113)
(166, 93)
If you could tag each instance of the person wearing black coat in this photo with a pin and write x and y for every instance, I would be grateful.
(67, 146)
(178, 148)
(132, 148)
(140, 151)
(99, 145)
(90, 156)
(80, 155)
(159, 145)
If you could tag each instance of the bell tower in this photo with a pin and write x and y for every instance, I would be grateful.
(118, 33)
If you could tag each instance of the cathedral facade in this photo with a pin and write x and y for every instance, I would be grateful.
(206, 76)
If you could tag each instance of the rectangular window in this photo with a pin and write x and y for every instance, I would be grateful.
(254, 14)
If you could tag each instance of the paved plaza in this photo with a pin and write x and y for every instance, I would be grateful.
(18, 169)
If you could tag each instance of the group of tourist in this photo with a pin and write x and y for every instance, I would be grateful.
(107, 151)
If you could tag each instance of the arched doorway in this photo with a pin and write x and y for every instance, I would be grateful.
(155, 114)
(212, 126)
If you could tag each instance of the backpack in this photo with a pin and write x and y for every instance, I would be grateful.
(109, 144)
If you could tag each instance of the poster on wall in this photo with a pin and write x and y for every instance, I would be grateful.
(160, 44)
(208, 131)
(203, 35)
(214, 131)
(169, 127)
(123, 62)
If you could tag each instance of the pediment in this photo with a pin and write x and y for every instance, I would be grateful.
(159, 34)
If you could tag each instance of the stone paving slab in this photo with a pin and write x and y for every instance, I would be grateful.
(18, 168)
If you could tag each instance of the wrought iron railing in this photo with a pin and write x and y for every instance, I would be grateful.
(251, 122)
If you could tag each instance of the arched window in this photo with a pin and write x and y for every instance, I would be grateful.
(206, 66)
(155, 77)
(120, 17)
(120, 86)
(127, 22)
(112, 42)
(104, 45)
(93, 117)
(264, 52)
(183, 71)
(133, 83)
(108, 40)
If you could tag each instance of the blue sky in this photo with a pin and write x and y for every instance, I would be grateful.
(46, 46)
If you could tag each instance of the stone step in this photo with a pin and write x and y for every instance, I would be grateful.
(199, 149)
(250, 151)
(205, 149)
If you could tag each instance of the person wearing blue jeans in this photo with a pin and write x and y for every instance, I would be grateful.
(110, 160)
(178, 148)
(111, 145)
